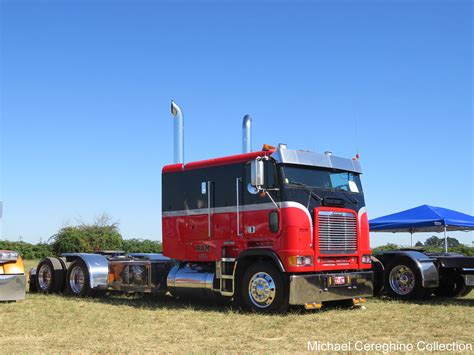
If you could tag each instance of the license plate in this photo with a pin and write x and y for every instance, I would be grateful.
(339, 280)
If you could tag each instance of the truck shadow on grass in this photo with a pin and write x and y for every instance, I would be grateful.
(161, 302)
(155, 302)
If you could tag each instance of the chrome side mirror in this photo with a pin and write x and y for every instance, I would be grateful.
(257, 177)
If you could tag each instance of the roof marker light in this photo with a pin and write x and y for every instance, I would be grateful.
(267, 147)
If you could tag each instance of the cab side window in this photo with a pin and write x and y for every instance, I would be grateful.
(270, 175)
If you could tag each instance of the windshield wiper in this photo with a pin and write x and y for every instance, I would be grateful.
(306, 188)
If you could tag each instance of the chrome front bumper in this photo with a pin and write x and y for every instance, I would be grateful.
(12, 287)
(318, 288)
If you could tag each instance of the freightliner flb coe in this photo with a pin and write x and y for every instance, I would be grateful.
(267, 229)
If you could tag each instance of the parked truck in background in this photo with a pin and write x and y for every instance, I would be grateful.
(411, 273)
(12, 276)
(267, 229)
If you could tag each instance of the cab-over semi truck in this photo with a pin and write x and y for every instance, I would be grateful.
(246, 227)
(267, 229)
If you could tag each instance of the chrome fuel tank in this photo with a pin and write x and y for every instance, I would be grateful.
(190, 281)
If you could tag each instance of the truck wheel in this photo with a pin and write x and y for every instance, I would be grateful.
(50, 276)
(466, 292)
(32, 288)
(403, 280)
(263, 289)
(78, 282)
(452, 286)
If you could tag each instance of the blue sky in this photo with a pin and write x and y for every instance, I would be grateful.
(86, 86)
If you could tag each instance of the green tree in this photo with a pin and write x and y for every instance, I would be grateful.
(141, 246)
(385, 247)
(102, 234)
(452, 242)
(434, 241)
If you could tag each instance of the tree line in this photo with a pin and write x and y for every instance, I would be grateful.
(100, 235)
(433, 244)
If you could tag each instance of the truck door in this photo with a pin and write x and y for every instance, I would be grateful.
(195, 222)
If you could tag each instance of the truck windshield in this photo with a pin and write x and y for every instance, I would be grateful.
(321, 178)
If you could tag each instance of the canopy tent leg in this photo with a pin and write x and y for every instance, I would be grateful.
(411, 239)
(445, 240)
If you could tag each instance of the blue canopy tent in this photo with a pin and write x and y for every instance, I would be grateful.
(424, 219)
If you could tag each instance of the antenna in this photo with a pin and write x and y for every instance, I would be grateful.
(356, 136)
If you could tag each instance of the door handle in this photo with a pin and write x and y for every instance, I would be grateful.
(237, 190)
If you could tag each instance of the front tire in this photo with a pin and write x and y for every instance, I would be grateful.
(402, 280)
(263, 289)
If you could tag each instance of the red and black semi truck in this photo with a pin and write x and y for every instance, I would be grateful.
(267, 229)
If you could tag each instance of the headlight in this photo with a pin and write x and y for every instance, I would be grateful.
(366, 259)
(300, 260)
(8, 256)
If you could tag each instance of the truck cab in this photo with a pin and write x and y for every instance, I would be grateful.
(272, 227)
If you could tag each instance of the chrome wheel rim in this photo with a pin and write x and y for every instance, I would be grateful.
(44, 277)
(76, 280)
(262, 290)
(402, 280)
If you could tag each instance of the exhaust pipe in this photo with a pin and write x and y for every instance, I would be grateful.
(178, 133)
(247, 134)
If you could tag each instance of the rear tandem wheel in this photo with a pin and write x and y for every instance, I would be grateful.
(50, 276)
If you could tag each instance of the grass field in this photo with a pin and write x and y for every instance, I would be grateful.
(135, 324)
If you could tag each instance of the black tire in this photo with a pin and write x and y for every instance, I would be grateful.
(50, 276)
(466, 291)
(274, 297)
(32, 288)
(452, 285)
(402, 280)
(77, 280)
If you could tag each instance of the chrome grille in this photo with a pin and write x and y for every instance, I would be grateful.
(337, 232)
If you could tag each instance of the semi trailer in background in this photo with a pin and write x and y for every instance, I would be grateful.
(266, 229)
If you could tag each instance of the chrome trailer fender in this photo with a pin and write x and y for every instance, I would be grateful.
(97, 265)
(426, 265)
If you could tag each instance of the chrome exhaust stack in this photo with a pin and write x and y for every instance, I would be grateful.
(247, 134)
(178, 133)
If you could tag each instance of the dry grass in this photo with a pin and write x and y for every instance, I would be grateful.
(136, 324)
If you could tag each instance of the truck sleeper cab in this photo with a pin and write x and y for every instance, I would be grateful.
(269, 228)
